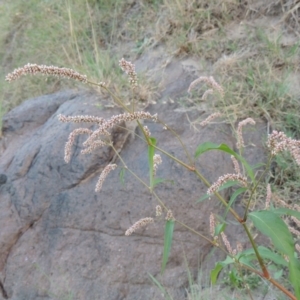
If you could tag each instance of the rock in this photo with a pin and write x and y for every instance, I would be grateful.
(3, 179)
(59, 238)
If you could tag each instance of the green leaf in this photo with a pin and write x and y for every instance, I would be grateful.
(218, 268)
(204, 197)
(246, 260)
(265, 253)
(269, 223)
(278, 274)
(122, 174)
(169, 228)
(151, 150)
(232, 199)
(294, 268)
(272, 226)
(286, 211)
(219, 228)
(156, 181)
(215, 272)
(223, 147)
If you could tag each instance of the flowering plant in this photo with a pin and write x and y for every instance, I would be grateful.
(268, 220)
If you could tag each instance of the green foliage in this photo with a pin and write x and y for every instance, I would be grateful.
(286, 211)
(233, 198)
(151, 151)
(272, 226)
(84, 35)
(122, 176)
(248, 256)
(169, 228)
(208, 146)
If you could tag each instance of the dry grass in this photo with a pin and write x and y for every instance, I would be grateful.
(90, 36)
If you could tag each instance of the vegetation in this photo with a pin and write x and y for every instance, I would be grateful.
(256, 65)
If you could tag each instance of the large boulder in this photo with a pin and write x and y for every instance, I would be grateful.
(59, 238)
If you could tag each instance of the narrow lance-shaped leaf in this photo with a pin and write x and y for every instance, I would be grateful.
(266, 253)
(169, 228)
(157, 181)
(232, 199)
(122, 174)
(218, 268)
(151, 150)
(223, 147)
(215, 272)
(219, 229)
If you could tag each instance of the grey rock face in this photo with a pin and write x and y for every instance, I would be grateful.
(59, 239)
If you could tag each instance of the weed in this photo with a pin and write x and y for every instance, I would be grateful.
(253, 69)
(266, 220)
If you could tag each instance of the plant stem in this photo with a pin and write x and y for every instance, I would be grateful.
(260, 260)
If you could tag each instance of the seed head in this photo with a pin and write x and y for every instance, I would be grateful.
(206, 93)
(169, 216)
(71, 140)
(103, 175)
(223, 179)
(95, 145)
(210, 118)
(158, 211)
(212, 224)
(156, 162)
(115, 120)
(147, 131)
(240, 141)
(236, 165)
(279, 142)
(129, 69)
(294, 231)
(34, 69)
(141, 223)
(227, 244)
(80, 119)
(210, 81)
